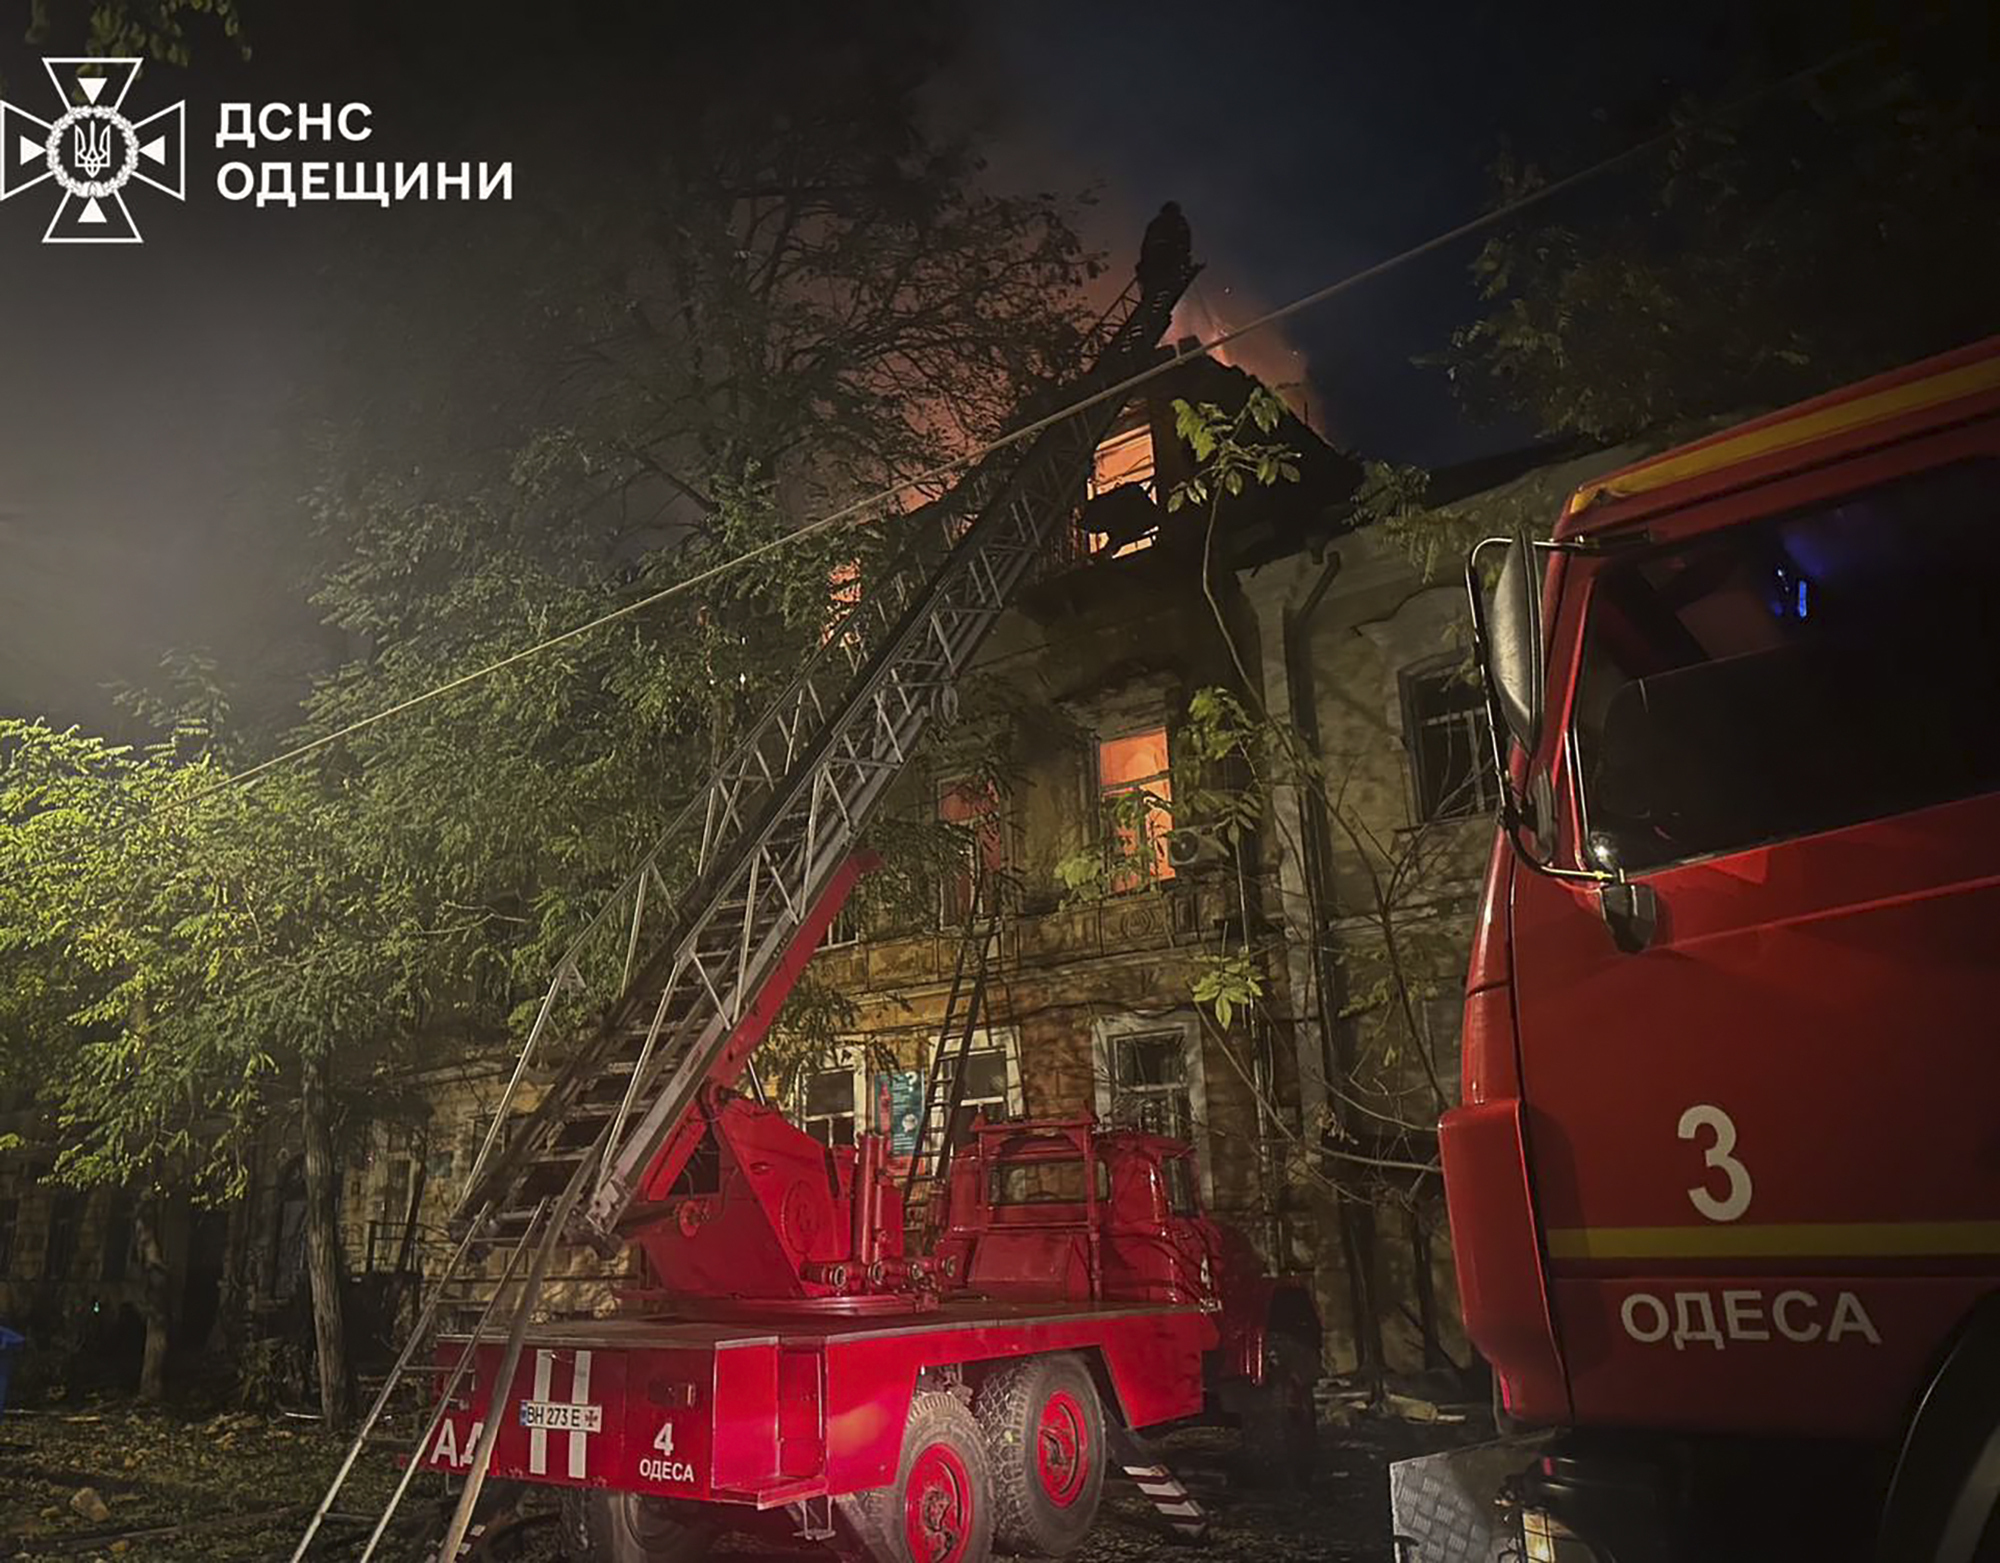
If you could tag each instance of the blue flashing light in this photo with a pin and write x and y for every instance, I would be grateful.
(1793, 597)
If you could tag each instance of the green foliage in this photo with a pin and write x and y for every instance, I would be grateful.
(795, 297)
(1227, 981)
(1123, 856)
(152, 29)
(168, 950)
(1814, 239)
(1227, 457)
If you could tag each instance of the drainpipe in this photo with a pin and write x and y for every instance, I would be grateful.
(1356, 1217)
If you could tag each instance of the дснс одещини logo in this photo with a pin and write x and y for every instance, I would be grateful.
(92, 151)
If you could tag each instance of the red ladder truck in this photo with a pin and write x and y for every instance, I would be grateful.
(799, 1362)
(1725, 1183)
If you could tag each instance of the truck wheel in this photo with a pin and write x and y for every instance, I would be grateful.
(1280, 1422)
(629, 1527)
(939, 1509)
(1044, 1431)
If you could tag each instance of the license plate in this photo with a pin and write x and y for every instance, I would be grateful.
(555, 1416)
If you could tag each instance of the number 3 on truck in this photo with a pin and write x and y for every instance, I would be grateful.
(1718, 1157)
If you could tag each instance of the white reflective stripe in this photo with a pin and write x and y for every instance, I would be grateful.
(538, 1437)
(579, 1395)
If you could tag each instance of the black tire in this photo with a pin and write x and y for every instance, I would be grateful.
(1044, 1429)
(942, 1497)
(1280, 1421)
(630, 1527)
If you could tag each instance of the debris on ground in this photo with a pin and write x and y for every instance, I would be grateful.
(149, 1485)
(166, 1488)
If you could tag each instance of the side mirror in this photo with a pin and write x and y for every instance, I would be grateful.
(1507, 628)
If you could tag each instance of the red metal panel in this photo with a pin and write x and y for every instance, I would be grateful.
(1756, 460)
(1812, 1001)
(1499, 1256)
(1772, 1383)
(744, 1456)
(1153, 1359)
(667, 1436)
(746, 1419)
(575, 1395)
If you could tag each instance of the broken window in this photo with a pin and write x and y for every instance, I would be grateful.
(845, 928)
(1149, 1083)
(1124, 457)
(1136, 790)
(1124, 460)
(843, 591)
(1446, 731)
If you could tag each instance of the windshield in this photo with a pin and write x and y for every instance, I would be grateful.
(1795, 674)
(1044, 1181)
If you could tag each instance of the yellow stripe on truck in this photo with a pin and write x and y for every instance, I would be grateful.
(1802, 1240)
(1967, 380)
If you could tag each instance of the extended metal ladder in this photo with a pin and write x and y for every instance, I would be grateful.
(673, 974)
(651, 992)
(926, 1184)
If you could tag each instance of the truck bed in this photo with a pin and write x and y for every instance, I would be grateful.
(769, 1407)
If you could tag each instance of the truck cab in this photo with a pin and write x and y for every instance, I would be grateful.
(1106, 1214)
(1726, 1165)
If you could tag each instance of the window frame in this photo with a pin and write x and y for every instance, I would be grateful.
(853, 1058)
(1576, 579)
(1162, 870)
(989, 823)
(1108, 1031)
(1410, 680)
(1004, 1040)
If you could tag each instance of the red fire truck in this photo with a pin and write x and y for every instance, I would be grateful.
(916, 1361)
(1725, 1184)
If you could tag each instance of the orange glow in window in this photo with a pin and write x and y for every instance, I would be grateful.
(972, 803)
(1123, 458)
(1137, 763)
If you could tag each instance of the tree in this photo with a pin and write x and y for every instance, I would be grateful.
(796, 297)
(1765, 255)
(781, 295)
(170, 969)
(152, 29)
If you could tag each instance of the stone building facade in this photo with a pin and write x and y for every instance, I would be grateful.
(1310, 1110)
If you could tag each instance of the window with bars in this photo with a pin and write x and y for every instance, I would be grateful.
(1449, 739)
(845, 929)
(1136, 786)
(1149, 1082)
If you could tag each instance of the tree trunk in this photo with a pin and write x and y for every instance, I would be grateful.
(326, 1267)
(1427, 1305)
(155, 1297)
(1357, 1242)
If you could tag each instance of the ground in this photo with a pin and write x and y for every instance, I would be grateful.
(238, 1488)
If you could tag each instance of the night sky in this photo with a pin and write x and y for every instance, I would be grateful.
(144, 401)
